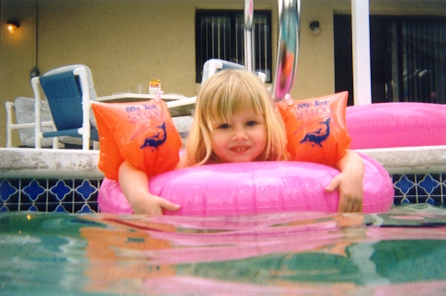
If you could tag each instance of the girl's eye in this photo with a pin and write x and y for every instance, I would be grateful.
(224, 126)
(251, 123)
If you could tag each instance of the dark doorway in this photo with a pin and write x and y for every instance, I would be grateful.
(408, 58)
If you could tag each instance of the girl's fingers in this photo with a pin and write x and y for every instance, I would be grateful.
(333, 185)
(167, 205)
(352, 206)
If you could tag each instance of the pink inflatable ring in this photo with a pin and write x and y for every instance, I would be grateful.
(253, 188)
(387, 125)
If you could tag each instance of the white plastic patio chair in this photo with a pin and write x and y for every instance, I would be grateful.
(212, 66)
(22, 109)
(68, 91)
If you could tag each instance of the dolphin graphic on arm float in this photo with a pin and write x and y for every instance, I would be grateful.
(317, 137)
(155, 141)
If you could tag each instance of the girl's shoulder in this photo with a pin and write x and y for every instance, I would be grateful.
(182, 163)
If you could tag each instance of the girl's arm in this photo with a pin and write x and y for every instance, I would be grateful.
(349, 182)
(135, 186)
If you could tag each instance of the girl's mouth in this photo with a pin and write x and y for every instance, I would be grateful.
(239, 149)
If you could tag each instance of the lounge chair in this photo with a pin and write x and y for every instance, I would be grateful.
(212, 66)
(68, 90)
(23, 110)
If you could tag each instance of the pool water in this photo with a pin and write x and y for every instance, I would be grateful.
(399, 252)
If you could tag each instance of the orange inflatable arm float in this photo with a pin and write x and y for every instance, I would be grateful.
(316, 128)
(140, 132)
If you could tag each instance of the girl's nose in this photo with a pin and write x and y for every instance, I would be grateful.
(239, 134)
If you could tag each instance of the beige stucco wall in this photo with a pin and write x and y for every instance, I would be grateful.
(129, 42)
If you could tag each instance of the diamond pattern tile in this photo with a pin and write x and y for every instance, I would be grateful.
(80, 196)
(49, 195)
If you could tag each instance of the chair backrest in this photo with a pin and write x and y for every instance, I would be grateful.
(91, 87)
(63, 93)
(24, 113)
(92, 90)
(212, 66)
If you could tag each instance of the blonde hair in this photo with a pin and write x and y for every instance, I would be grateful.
(224, 94)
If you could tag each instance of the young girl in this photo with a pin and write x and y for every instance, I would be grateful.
(236, 121)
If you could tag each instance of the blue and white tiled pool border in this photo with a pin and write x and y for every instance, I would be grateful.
(49, 180)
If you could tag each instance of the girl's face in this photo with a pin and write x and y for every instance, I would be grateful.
(242, 139)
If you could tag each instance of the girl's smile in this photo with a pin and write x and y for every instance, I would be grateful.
(241, 139)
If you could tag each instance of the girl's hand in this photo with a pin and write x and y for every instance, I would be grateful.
(349, 183)
(149, 204)
(350, 192)
(135, 186)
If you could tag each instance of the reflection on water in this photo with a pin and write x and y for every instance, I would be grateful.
(399, 252)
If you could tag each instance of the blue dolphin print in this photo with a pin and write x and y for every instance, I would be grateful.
(155, 141)
(317, 137)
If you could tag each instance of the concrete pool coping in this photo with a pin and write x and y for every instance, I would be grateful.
(79, 164)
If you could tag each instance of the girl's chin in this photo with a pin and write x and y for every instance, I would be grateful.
(234, 158)
(241, 159)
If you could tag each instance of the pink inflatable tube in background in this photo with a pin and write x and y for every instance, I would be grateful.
(254, 188)
(388, 125)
